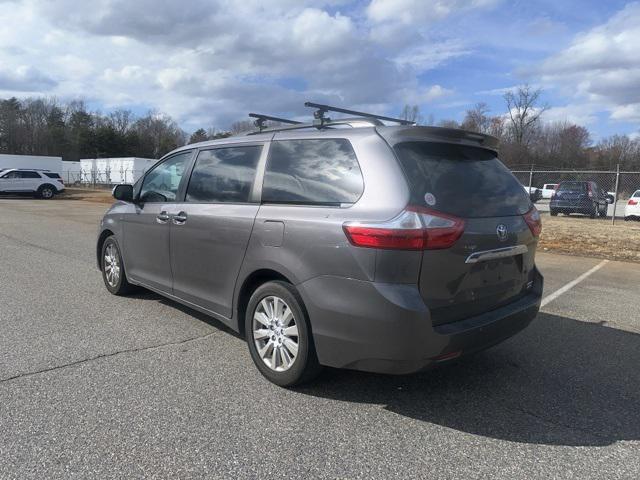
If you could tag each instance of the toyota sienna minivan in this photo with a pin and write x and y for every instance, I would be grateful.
(349, 244)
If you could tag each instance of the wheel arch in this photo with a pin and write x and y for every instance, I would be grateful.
(101, 239)
(249, 285)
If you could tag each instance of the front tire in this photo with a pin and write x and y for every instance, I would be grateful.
(112, 268)
(279, 335)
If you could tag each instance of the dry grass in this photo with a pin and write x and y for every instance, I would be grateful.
(87, 194)
(588, 237)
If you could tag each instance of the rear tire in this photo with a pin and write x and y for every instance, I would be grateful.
(275, 318)
(46, 192)
(113, 274)
(553, 213)
(603, 212)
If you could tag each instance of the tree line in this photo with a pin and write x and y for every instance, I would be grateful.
(526, 139)
(46, 126)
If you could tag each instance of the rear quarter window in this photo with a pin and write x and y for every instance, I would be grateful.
(312, 172)
(463, 181)
(52, 175)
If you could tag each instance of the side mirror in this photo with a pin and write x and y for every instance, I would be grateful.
(123, 192)
(610, 199)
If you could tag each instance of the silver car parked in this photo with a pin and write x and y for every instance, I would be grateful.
(347, 243)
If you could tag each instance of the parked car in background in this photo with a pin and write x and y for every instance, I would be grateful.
(379, 248)
(632, 210)
(39, 183)
(534, 193)
(584, 197)
(548, 189)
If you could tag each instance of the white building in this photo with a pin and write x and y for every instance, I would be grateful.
(114, 170)
(53, 164)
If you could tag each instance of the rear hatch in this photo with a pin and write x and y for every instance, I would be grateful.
(471, 184)
(571, 194)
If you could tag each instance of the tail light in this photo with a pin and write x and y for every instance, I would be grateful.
(61, 181)
(632, 202)
(416, 228)
(589, 191)
(532, 217)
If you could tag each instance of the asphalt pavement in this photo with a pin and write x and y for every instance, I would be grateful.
(98, 386)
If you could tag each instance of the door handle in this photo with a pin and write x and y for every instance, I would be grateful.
(162, 217)
(180, 218)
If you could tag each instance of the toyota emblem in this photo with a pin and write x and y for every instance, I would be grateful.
(501, 231)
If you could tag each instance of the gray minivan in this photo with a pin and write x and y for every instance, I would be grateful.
(349, 244)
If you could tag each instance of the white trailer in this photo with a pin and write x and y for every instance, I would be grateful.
(114, 170)
(53, 164)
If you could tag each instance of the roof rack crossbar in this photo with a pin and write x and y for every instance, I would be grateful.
(261, 119)
(322, 109)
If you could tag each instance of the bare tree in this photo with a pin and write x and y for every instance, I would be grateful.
(524, 111)
(477, 118)
(448, 124)
(411, 113)
(242, 126)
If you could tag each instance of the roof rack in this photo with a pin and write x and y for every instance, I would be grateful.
(321, 121)
(261, 119)
(319, 114)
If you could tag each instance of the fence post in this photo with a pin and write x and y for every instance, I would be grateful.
(530, 178)
(615, 196)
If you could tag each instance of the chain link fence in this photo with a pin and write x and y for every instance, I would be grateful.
(100, 179)
(619, 184)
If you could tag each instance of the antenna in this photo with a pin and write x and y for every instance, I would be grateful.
(323, 109)
(261, 119)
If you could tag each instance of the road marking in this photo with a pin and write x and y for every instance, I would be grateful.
(552, 296)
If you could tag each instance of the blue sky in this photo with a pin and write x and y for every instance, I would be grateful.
(208, 63)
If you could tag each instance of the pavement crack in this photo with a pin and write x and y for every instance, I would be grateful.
(107, 355)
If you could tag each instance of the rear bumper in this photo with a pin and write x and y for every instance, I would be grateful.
(386, 328)
(576, 206)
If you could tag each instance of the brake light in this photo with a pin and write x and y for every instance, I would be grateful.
(61, 181)
(632, 202)
(532, 217)
(589, 192)
(415, 228)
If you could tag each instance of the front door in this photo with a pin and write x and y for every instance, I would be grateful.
(147, 227)
(211, 229)
(12, 182)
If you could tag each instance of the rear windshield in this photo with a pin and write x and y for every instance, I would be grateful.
(463, 181)
(572, 187)
(52, 175)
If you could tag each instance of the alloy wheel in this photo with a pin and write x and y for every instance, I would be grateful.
(275, 333)
(111, 265)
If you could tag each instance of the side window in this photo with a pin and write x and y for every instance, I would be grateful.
(224, 175)
(323, 172)
(12, 175)
(30, 175)
(161, 184)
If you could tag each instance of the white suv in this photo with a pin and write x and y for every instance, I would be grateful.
(40, 183)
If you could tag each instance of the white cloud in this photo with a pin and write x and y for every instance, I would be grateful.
(411, 12)
(210, 62)
(600, 69)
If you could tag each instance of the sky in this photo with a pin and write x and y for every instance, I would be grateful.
(208, 63)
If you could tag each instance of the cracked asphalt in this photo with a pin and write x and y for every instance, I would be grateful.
(97, 386)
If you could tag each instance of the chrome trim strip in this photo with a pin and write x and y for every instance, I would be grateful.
(497, 253)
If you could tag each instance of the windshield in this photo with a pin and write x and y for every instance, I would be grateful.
(460, 180)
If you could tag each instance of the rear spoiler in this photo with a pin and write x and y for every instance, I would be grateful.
(394, 135)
